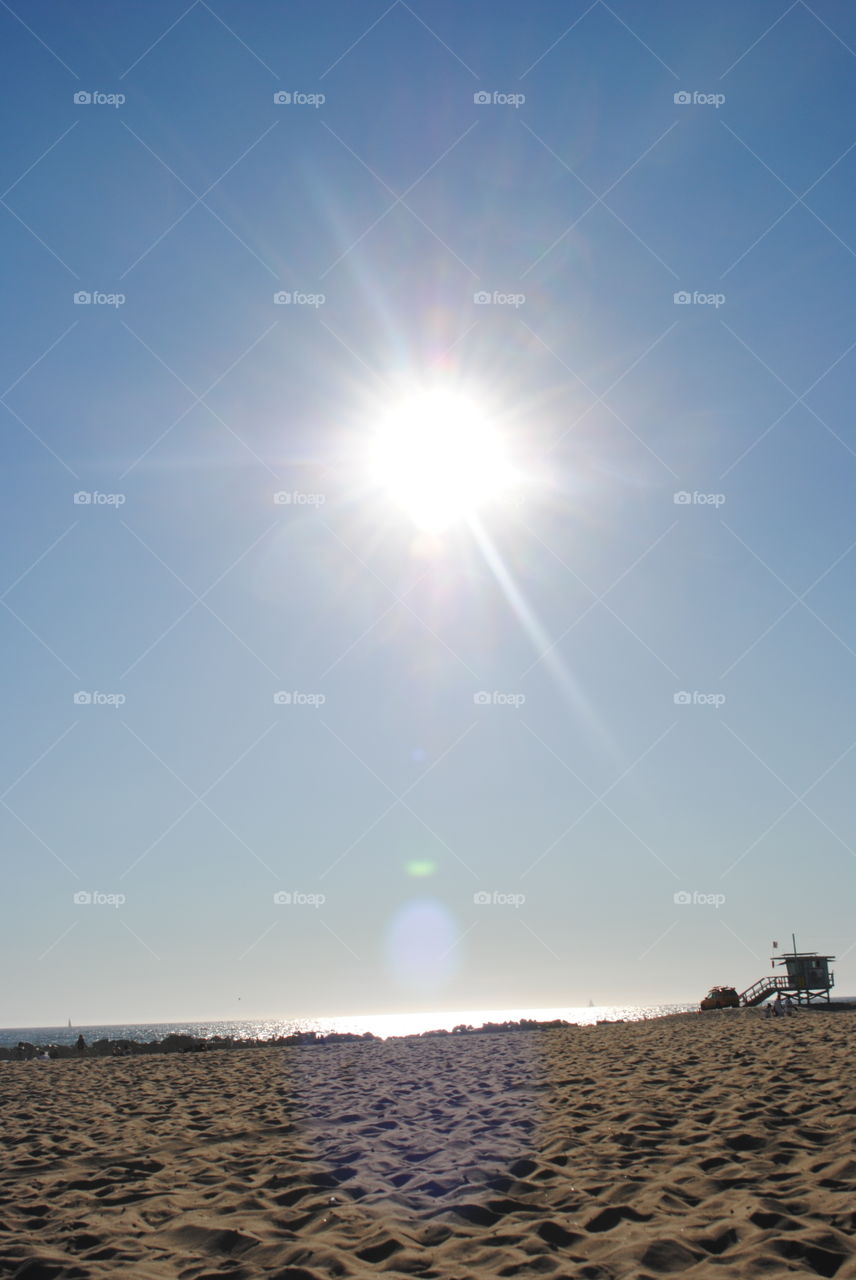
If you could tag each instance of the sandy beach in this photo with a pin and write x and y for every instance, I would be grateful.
(719, 1144)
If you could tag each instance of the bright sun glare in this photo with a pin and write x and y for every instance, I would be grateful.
(439, 458)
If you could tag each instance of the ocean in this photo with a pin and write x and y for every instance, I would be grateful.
(380, 1024)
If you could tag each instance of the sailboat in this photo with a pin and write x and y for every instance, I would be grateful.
(591, 1004)
(69, 1024)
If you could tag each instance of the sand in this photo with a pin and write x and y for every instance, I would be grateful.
(719, 1145)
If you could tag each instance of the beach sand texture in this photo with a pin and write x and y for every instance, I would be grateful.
(719, 1145)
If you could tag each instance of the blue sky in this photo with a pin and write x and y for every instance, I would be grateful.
(684, 527)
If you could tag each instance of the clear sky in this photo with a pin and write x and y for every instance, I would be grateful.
(659, 615)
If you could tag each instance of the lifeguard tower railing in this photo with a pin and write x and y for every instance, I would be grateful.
(764, 987)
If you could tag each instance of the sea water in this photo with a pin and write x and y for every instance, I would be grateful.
(379, 1024)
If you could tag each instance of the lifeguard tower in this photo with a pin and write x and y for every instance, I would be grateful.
(806, 979)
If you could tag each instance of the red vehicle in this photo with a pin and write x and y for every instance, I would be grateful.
(720, 998)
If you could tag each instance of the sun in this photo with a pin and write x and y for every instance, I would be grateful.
(438, 456)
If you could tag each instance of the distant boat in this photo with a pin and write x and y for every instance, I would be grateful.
(591, 1004)
(69, 1024)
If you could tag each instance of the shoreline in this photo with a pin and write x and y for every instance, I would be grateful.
(186, 1043)
(380, 1023)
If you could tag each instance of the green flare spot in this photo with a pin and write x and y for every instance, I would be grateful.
(420, 869)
